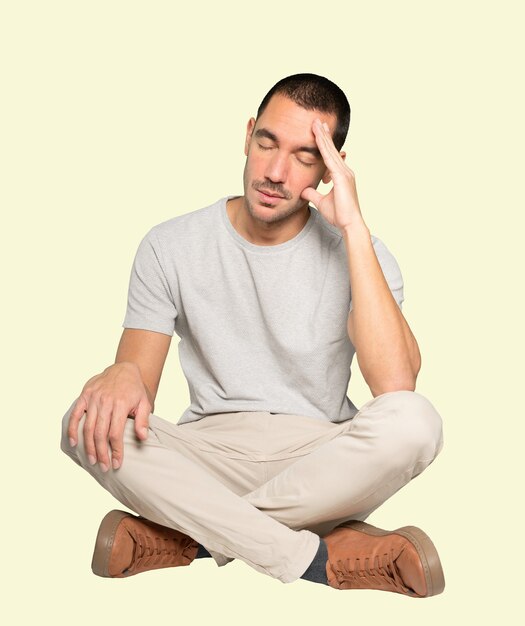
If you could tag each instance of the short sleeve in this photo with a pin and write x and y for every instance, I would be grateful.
(391, 271)
(150, 300)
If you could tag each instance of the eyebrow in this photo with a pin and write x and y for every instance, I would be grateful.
(265, 133)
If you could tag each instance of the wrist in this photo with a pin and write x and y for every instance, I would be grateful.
(356, 230)
(125, 364)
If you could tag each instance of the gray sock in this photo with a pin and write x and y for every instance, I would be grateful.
(316, 571)
(202, 553)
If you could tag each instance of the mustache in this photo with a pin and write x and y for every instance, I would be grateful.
(272, 188)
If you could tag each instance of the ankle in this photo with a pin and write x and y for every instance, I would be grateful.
(202, 553)
(316, 571)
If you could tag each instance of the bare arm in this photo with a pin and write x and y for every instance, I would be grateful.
(148, 350)
(126, 388)
(386, 350)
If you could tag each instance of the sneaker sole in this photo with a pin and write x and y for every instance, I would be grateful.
(104, 542)
(434, 576)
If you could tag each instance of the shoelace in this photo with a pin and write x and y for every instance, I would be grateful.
(153, 550)
(361, 575)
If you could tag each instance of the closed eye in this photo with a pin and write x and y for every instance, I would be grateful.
(306, 154)
(305, 163)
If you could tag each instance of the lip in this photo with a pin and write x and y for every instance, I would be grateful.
(268, 198)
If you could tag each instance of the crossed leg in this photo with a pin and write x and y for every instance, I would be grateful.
(392, 439)
(271, 513)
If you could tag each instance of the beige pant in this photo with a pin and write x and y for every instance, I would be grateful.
(263, 487)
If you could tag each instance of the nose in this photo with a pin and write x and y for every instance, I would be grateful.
(277, 168)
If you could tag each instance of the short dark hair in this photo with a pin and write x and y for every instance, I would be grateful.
(311, 91)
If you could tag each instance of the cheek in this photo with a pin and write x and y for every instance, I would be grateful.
(305, 178)
(254, 163)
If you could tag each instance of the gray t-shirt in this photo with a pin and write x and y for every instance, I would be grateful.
(262, 328)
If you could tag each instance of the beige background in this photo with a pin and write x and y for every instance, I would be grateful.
(119, 115)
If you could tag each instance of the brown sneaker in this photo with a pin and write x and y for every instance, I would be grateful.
(128, 545)
(361, 556)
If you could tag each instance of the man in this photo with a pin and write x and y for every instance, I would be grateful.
(271, 463)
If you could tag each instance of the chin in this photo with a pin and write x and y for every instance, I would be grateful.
(269, 214)
(263, 212)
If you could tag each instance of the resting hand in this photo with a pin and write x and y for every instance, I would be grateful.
(108, 399)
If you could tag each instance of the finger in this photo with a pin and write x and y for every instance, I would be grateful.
(329, 152)
(116, 433)
(312, 195)
(142, 419)
(325, 143)
(89, 429)
(100, 434)
(74, 418)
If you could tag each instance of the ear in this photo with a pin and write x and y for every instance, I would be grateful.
(249, 132)
(327, 176)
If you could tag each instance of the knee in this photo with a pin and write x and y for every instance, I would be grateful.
(409, 422)
(419, 423)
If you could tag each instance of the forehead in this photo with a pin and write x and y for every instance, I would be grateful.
(291, 122)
